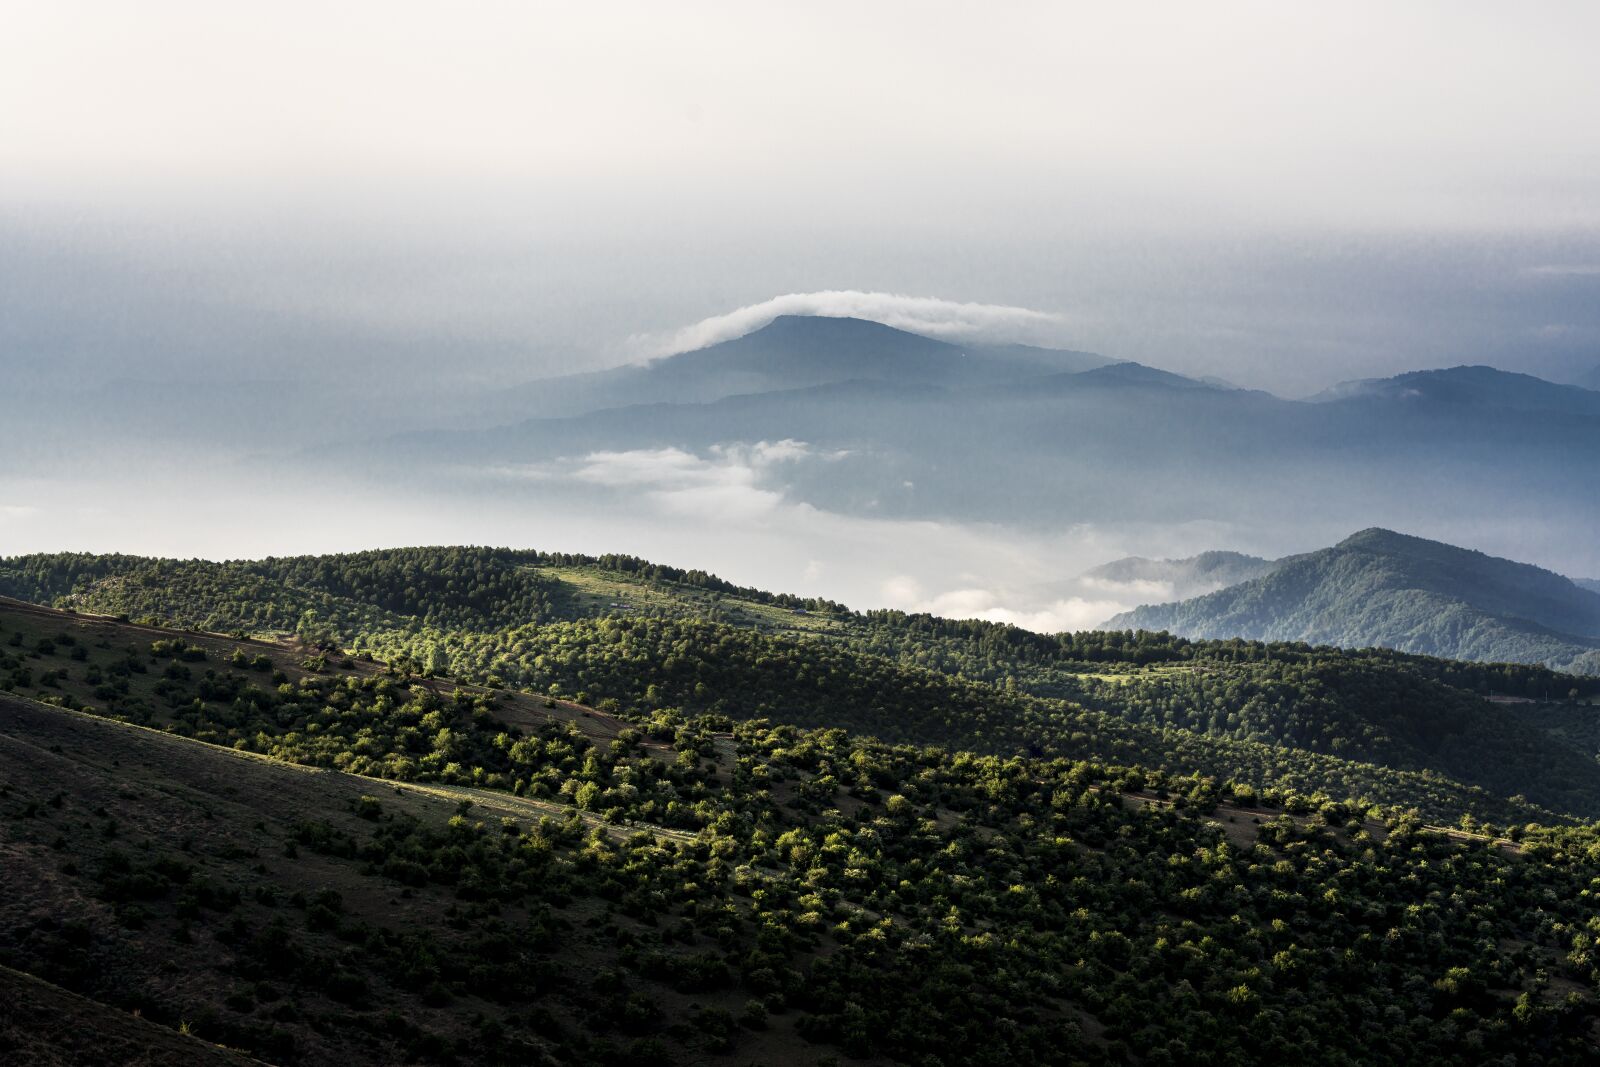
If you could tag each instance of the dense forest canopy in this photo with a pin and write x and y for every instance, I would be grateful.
(769, 824)
(1370, 725)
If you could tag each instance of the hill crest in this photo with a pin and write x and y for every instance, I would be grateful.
(1378, 587)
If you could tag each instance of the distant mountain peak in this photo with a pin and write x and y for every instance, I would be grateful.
(1466, 385)
(1128, 372)
(1203, 561)
(830, 327)
(805, 336)
(1381, 587)
(1384, 540)
(1177, 579)
(792, 354)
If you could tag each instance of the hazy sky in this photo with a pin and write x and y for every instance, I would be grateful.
(1357, 114)
(370, 203)
(1284, 193)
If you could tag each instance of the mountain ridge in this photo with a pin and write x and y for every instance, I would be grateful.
(1379, 587)
(1471, 385)
(1121, 443)
(793, 352)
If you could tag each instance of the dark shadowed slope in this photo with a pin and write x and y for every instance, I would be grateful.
(1383, 588)
(43, 1025)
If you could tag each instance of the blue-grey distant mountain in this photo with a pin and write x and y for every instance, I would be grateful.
(796, 352)
(1591, 584)
(1125, 375)
(915, 428)
(1468, 387)
(1380, 588)
(1179, 578)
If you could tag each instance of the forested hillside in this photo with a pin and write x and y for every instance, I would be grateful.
(1374, 726)
(766, 828)
(348, 594)
(524, 879)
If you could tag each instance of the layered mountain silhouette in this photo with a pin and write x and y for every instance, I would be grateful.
(1381, 588)
(798, 352)
(931, 430)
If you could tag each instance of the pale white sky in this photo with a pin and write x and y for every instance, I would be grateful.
(1360, 114)
(1286, 194)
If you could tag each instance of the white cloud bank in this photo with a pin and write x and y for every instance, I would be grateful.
(730, 482)
(727, 483)
(926, 315)
(1052, 616)
(729, 509)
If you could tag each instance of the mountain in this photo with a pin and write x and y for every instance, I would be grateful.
(1178, 579)
(1591, 584)
(794, 352)
(904, 427)
(1380, 588)
(1468, 387)
(1046, 360)
(1130, 374)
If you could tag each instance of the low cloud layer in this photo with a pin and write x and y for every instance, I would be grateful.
(732, 508)
(736, 509)
(919, 314)
(732, 481)
(1052, 616)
